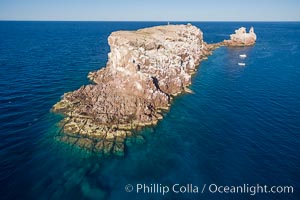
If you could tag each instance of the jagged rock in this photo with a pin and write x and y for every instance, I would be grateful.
(241, 38)
(145, 69)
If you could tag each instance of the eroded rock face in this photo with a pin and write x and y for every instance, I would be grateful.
(241, 38)
(145, 69)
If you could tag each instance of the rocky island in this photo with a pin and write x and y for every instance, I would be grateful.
(145, 70)
(241, 38)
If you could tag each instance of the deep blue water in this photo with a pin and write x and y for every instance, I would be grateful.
(242, 125)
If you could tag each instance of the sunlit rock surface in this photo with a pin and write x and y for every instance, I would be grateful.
(145, 69)
(241, 38)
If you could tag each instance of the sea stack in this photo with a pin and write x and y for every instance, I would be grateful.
(241, 38)
(145, 69)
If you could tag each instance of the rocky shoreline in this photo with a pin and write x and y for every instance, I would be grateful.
(145, 70)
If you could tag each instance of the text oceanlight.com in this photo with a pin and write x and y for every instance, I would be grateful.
(176, 188)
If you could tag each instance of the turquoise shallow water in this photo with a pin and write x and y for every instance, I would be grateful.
(240, 127)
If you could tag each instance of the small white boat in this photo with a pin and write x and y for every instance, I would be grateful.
(241, 64)
(243, 56)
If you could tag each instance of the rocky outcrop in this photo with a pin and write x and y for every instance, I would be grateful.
(145, 69)
(241, 38)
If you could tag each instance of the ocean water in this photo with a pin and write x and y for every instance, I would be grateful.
(241, 125)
